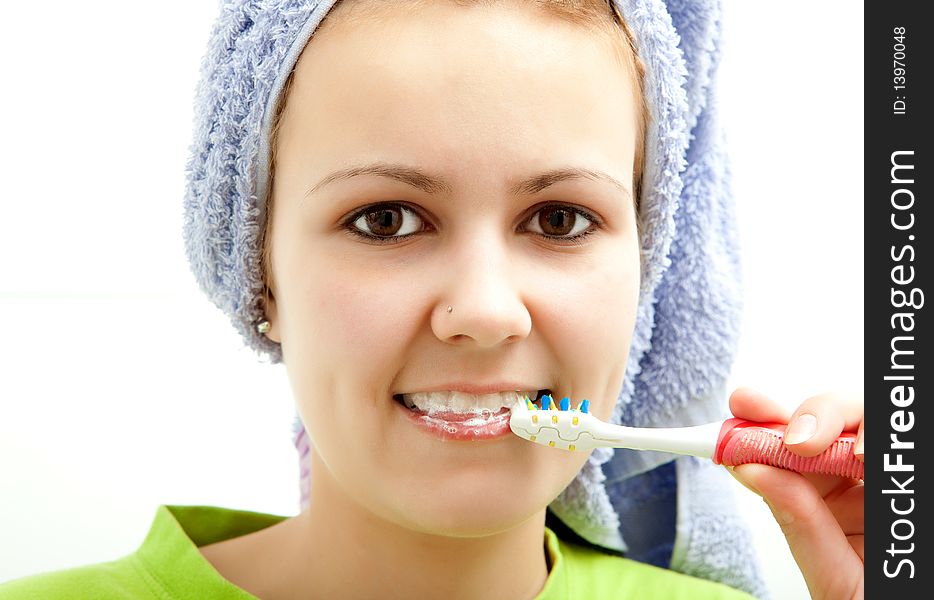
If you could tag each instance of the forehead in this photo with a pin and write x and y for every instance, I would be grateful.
(486, 87)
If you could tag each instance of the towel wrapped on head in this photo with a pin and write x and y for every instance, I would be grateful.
(674, 512)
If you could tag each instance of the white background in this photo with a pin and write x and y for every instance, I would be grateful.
(122, 387)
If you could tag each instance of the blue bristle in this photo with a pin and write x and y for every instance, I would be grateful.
(565, 403)
(585, 406)
(546, 400)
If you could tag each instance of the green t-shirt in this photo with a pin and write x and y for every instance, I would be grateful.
(168, 565)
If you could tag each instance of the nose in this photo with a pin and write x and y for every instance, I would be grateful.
(486, 296)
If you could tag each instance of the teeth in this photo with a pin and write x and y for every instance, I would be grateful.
(461, 402)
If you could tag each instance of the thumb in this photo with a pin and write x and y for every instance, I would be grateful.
(819, 546)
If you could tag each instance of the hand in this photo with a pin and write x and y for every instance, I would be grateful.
(820, 515)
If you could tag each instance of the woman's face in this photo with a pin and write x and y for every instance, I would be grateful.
(476, 101)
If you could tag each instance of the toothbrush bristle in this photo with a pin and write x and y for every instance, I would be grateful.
(542, 424)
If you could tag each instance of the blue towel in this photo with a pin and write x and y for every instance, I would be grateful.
(671, 511)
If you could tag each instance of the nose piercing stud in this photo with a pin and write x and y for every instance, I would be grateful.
(450, 309)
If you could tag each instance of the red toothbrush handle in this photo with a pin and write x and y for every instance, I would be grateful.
(742, 442)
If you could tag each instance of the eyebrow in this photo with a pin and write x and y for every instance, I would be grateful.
(432, 184)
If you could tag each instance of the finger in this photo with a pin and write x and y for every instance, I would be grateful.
(856, 542)
(829, 563)
(847, 508)
(750, 404)
(740, 478)
(820, 420)
(819, 430)
(844, 498)
(829, 484)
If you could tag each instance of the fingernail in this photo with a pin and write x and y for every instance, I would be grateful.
(858, 449)
(801, 429)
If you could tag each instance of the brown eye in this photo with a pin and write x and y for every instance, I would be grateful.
(385, 221)
(555, 221)
(560, 222)
(388, 221)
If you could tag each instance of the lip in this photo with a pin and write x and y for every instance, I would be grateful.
(458, 430)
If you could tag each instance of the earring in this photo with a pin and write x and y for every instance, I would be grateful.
(450, 309)
(263, 326)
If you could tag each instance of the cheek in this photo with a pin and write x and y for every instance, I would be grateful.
(623, 278)
(349, 315)
(598, 328)
(350, 318)
(604, 302)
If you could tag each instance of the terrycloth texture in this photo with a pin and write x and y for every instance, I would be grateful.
(689, 311)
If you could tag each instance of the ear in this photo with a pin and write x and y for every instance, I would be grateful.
(272, 315)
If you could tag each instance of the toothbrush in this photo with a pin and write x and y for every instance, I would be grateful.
(729, 443)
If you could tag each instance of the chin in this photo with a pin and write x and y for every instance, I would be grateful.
(469, 510)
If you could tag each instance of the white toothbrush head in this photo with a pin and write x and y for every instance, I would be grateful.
(556, 426)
